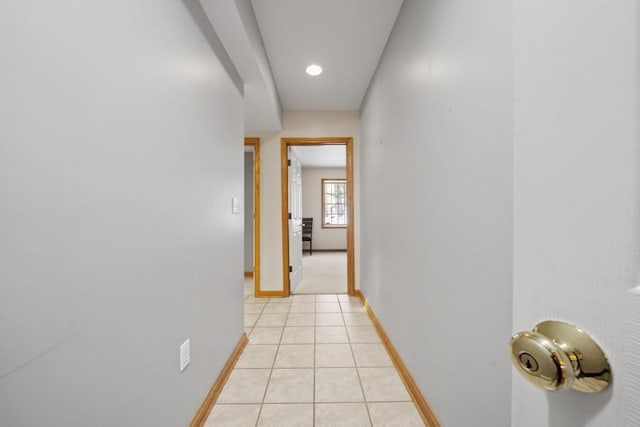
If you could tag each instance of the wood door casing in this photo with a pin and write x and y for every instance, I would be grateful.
(284, 172)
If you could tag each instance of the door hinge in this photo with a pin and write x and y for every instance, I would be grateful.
(290, 269)
(289, 215)
(288, 162)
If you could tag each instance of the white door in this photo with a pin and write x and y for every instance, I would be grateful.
(577, 187)
(295, 222)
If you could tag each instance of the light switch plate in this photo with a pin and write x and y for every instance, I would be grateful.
(185, 354)
(235, 205)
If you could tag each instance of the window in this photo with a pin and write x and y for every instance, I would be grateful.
(334, 203)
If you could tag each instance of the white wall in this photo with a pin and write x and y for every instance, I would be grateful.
(323, 238)
(576, 193)
(120, 149)
(296, 124)
(436, 203)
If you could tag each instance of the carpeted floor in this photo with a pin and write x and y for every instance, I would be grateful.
(323, 273)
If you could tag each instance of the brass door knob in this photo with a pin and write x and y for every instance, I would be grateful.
(557, 356)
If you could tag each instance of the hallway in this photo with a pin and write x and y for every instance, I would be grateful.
(495, 181)
(312, 360)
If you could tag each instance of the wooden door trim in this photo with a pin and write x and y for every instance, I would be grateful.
(285, 143)
(255, 143)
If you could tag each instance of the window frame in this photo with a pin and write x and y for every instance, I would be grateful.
(342, 181)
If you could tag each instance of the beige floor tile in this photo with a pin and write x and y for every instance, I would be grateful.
(334, 356)
(352, 307)
(329, 319)
(383, 385)
(287, 300)
(271, 319)
(250, 320)
(342, 415)
(357, 319)
(295, 356)
(233, 416)
(371, 355)
(245, 386)
(347, 298)
(298, 335)
(257, 356)
(289, 386)
(363, 335)
(301, 319)
(327, 298)
(331, 335)
(338, 385)
(327, 307)
(286, 415)
(276, 308)
(334, 383)
(253, 308)
(397, 414)
(303, 307)
(270, 335)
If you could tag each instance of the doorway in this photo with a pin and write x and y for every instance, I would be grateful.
(290, 226)
(252, 216)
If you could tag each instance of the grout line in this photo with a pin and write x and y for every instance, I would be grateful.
(315, 325)
(308, 403)
(315, 331)
(355, 364)
(273, 364)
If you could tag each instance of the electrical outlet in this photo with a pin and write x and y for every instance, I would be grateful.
(185, 354)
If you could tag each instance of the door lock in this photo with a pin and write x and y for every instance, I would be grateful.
(557, 356)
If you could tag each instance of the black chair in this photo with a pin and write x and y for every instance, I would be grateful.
(307, 233)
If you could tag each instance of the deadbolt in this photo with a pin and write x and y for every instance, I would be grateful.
(557, 356)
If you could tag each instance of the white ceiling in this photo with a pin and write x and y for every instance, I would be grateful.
(271, 42)
(345, 37)
(326, 156)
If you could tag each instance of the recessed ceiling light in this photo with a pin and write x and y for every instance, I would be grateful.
(314, 70)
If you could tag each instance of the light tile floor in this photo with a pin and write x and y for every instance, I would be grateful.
(312, 360)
